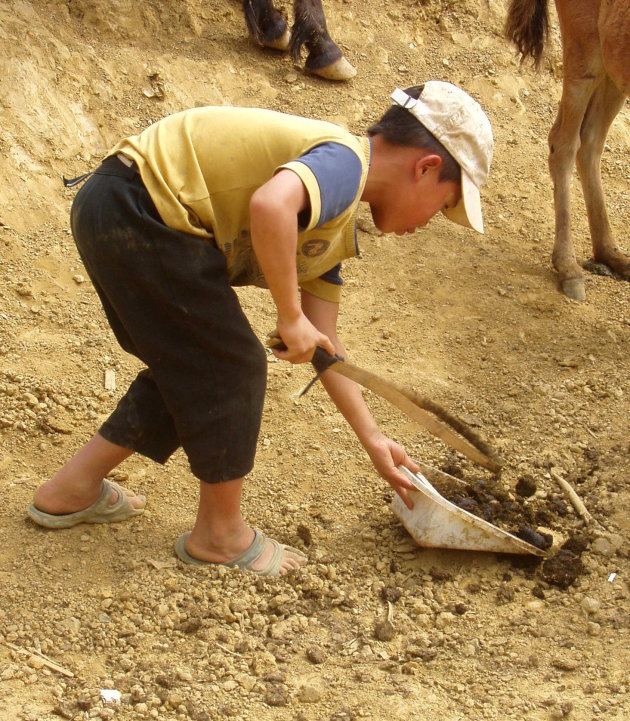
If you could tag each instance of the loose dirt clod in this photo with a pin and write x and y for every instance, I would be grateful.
(562, 569)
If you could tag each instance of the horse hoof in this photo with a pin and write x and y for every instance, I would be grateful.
(281, 43)
(339, 70)
(574, 288)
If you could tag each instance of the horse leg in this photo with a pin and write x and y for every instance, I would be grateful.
(606, 102)
(564, 139)
(265, 24)
(324, 55)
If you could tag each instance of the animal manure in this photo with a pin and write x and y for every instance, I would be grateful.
(526, 487)
(540, 540)
(562, 569)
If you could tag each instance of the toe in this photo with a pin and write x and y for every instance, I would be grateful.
(291, 561)
(136, 500)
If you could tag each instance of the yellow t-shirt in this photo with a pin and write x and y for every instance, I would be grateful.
(201, 167)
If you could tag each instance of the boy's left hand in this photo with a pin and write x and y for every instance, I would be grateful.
(386, 455)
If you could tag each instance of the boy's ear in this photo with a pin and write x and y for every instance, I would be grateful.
(430, 161)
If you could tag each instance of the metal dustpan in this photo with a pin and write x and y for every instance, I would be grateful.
(435, 522)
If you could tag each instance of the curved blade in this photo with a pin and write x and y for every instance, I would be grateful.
(399, 397)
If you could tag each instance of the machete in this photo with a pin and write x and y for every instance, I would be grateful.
(429, 415)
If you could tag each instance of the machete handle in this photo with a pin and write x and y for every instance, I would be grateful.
(321, 360)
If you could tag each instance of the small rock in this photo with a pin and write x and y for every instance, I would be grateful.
(565, 664)
(593, 629)
(36, 662)
(277, 695)
(315, 654)
(309, 694)
(344, 714)
(176, 699)
(63, 711)
(444, 619)
(280, 630)
(603, 547)
(590, 605)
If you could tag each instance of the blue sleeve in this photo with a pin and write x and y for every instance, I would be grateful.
(333, 275)
(337, 170)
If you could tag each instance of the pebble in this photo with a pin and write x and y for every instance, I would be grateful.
(535, 605)
(315, 655)
(309, 693)
(593, 629)
(590, 605)
(36, 662)
(565, 664)
(176, 699)
(280, 630)
(603, 547)
(444, 619)
(277, 695)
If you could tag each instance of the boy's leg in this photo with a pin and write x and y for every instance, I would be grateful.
(220, 533)
(79, 483)
(169, 293)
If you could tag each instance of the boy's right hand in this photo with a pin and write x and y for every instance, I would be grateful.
(301, 338)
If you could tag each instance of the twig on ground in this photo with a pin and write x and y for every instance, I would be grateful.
(44, 659)
(572, 496)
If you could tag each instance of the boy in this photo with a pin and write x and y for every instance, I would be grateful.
(211, 198)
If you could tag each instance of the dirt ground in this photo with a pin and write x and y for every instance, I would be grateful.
(374, 627)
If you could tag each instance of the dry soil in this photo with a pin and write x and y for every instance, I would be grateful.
(374, 627)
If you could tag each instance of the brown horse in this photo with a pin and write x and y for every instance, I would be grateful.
(267, 26)
(596, 57)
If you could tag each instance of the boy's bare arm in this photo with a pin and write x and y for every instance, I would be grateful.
(384, 453)
(274, 210)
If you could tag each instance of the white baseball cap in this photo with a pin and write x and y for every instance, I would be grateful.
(458, 122)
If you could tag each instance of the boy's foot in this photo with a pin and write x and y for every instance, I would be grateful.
(114, 503)
(265, 556)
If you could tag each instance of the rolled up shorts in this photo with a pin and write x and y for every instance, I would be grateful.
(168, 301)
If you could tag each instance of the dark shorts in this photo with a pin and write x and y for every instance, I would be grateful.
(168, 300)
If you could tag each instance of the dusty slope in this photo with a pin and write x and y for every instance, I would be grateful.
(476, 323)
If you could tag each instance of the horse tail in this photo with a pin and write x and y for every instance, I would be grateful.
(251, 18)
(527, 26)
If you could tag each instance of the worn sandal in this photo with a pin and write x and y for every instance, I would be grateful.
(247, 559)
(101, 511)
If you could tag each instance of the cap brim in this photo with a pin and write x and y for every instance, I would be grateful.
(468, 211)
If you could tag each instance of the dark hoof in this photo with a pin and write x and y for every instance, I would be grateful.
(574, 288)
(281, 43)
